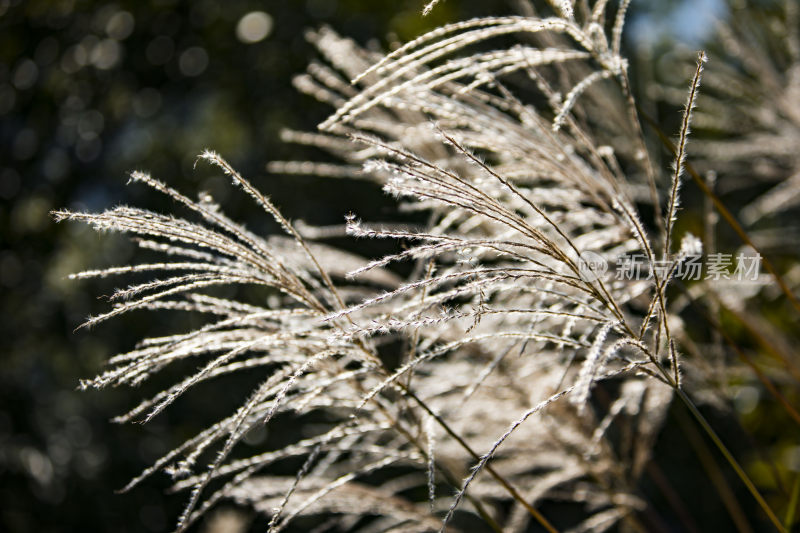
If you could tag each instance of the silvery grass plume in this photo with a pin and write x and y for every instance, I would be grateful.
(747, 133)
(519, 202)
(306, 366)
(755, 146)
(506, 332)
(748, 129)
(749, 110)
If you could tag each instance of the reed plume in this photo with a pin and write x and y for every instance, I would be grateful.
(531, 165)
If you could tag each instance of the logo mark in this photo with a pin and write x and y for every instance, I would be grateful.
(592, 266)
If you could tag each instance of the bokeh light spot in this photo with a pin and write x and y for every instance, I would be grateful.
(193, 61)
(106, 54)
(25, 74)
(254, 27)
(120, 25)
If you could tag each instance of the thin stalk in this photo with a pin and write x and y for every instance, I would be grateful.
(484, 514)
(478, 506)
(758, 448)
(714, 473)
(500, 479)
(731, 460)
(793, 501)
(723, 450)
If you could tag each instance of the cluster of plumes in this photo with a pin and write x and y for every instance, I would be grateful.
(504, 330)
(749, 113)
(759, 85)
(747, 130)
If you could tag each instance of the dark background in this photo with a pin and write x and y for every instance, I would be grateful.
(90, 90)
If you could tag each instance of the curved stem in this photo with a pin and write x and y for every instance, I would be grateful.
(731, 460)
(723, 450)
